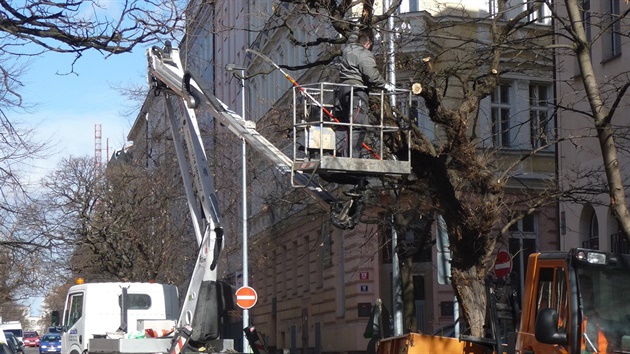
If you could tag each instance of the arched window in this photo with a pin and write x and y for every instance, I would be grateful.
(593, 241)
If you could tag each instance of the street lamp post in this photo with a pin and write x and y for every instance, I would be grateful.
(245, 275)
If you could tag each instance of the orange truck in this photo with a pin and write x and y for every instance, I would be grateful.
(573, 302)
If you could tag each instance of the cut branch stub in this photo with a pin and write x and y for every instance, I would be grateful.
(416, 88)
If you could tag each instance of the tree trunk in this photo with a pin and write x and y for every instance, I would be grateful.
(471, 294)
(406, 271)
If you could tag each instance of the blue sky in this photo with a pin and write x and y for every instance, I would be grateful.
(68, 106)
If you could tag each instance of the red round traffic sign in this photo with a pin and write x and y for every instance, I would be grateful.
(502, 264)
(246, 297)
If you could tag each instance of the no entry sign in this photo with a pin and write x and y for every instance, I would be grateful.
(503, 264)
(246, 297)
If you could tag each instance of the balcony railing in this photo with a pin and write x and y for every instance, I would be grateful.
(619, 243)
(591, 243)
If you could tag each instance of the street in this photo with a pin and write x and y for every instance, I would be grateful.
(31, 350)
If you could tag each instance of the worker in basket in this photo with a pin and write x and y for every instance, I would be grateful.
(358, 74)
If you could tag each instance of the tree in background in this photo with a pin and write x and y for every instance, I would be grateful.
(122, 224)
(31, 28)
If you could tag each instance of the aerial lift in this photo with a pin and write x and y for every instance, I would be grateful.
(206, 301)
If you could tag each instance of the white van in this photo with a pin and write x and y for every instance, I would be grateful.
(93, 310)
(14, 327)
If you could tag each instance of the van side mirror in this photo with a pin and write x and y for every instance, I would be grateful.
(546, 328)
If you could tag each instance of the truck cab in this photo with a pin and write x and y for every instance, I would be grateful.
(99, 310)
(576, 303)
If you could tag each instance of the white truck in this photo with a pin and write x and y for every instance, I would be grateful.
(100, 310)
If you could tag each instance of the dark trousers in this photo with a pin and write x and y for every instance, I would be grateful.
(351, 107)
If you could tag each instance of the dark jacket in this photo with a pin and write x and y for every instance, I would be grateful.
(358, 67)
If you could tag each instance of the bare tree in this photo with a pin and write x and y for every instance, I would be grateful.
(120, 225)
(30, 28)
(74, 27)
(462, 175)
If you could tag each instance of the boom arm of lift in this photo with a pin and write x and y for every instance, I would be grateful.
(166, 73)
(206, 298)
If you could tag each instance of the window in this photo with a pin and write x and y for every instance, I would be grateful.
(539, 15)
(415, 236)
(593, 233)
(611, 41)
(586, 18)
(414, 5)
(326, 246)
(562, 299)
(500, 103)
(545, 289)
(586, 22)
(136, 301)
(74, 308)
(494, 9)
(540, 115)
(307, 263)
(522, 243)
(552, 293)
(526, 225)
(419, 112)
(615, 28)
(409, 6)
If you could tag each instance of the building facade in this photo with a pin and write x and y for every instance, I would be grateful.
(586, 216)
(316, 283)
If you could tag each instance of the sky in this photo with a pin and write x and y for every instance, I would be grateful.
(67, 107)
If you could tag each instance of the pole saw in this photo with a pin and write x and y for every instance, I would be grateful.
(307, 95)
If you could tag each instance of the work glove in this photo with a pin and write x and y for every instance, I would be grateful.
(390, 87)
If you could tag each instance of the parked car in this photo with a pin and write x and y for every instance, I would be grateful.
(31, 339)
(4, 345)
(14, 343)
(6, 349)
(50, 343)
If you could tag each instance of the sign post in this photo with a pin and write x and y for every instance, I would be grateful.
(246, 297)
(502, 264)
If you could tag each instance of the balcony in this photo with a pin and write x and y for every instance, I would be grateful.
(592, 243)
(619, 243)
